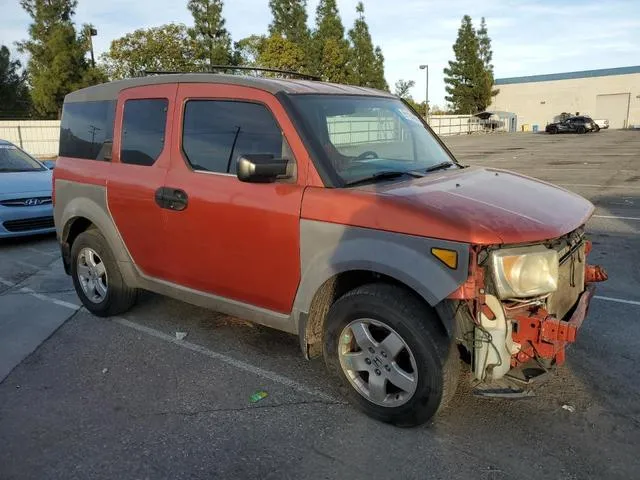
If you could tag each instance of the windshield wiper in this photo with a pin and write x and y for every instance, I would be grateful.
(387, 174)
(439, 166)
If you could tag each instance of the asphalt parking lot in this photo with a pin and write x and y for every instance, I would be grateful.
(122, 398)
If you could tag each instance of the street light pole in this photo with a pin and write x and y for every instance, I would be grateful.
(426, 100)
(92, 33)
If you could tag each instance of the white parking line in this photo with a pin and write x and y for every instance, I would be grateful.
(239, 364)
(616, 217)
(46, 298)
(29, 265)
(52, 254)
(40, 296)
(597, 186)
(618, 300)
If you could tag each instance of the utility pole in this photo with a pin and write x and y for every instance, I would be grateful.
(426, 100)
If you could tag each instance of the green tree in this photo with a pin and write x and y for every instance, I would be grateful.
(486, 55)
(246, 51)
(282, 53)
(211, 38)
(288, 36)
(366, 65)
(14, 92)
(57, 55)
(290, 21)
(402, 88)
(469, 78)
(378, 71)
(329, 48)
(165, 48)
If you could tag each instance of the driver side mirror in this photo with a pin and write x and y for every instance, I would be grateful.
(258, 168)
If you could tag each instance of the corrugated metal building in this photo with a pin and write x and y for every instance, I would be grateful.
(612, 93)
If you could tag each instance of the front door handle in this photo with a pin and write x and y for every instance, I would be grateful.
(172, 198)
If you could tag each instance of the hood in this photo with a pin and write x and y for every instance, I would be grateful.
(472, 205)
(18, 183)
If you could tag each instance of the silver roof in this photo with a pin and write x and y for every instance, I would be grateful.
(110, 91)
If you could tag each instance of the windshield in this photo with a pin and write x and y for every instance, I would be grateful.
(12, 159)
(363, 137)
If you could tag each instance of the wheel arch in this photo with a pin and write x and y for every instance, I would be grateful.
(311, 324)
(80, 207)
(337, 258)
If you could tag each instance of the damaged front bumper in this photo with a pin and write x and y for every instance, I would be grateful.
(541, 340)
(542, 336)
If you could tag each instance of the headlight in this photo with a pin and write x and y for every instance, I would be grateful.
(525, 272)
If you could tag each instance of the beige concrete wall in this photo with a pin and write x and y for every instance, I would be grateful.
(538, 102)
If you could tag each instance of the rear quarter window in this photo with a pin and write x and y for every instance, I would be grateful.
(85, 128)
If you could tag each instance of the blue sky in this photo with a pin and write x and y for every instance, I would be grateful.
(528, 37)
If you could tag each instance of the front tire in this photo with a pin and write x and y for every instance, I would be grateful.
(582, 130)
(97, 278)
(391, 354)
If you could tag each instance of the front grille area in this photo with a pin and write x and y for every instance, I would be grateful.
(27, 224)
(570, 282)
(26, 202)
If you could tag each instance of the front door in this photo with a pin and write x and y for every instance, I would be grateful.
(140, 161)
(233, 239)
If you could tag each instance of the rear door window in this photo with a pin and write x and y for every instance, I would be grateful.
(216, 133)
(143, 130)
(86, 130)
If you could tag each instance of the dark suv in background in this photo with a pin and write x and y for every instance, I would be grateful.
(580, 124)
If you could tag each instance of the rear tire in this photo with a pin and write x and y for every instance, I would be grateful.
(425, 368)
(581, 130)
(553, 130)
(97, 277)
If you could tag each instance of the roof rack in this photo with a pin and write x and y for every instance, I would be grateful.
(216, 68)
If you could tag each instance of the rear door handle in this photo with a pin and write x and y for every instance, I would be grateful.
(172, 198)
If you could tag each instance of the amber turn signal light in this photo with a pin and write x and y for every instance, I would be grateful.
(448, 257)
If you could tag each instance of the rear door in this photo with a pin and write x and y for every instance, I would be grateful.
(233, 239)
(141, 158)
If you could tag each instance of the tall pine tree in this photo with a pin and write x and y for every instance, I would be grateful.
(288, 44)
(329, 48)
(486, 55)
(290, 21)
(57, 55)
(366, 65)
(211, 38)
(469, 78)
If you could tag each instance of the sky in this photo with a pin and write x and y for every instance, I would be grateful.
(529, 37)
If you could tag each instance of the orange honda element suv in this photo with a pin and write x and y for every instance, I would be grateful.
(331, 212)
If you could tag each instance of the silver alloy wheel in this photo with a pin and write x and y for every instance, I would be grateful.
(380, 367)
(92, 275)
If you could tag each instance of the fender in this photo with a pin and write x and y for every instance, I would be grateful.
(80, 200)
(327, 249)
